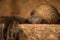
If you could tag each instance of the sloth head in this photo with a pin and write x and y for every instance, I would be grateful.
(44, 14)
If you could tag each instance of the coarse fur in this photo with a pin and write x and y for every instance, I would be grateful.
(45, 14)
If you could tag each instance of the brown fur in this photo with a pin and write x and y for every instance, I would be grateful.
(45, 12)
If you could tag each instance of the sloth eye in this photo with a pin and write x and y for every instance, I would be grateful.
(44, 22)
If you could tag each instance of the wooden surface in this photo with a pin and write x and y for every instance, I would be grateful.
(36, 32)
(39, 31)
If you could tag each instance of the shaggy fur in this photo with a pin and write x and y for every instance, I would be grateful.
(44, 14)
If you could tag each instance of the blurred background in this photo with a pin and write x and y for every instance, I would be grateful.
(23, 8)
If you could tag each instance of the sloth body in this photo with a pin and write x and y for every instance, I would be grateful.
(45, 14)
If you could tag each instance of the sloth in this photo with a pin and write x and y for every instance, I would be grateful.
(44, 14)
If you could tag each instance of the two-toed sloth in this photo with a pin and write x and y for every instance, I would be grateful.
(44, 14)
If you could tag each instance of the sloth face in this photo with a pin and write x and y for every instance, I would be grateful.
(35, 19)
